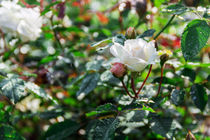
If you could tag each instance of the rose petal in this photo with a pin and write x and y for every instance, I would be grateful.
(118, 51)
(135, 64)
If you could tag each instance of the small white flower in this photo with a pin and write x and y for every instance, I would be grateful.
(17, 20)
(136, 54)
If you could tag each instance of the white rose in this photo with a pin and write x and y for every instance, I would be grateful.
(136, 54)
(17, 20)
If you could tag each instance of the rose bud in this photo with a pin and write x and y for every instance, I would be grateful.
(130, 33)
(141, 7)
(118, 70)
(164, 56)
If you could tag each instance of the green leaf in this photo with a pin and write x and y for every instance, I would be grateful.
(102, 43)
(61, 130)
(7, 54)
(103, 109)
(107, 77)
(177, 96)
(88, 84)
(103, 129)
(35, 89)
(4, 116)
(13, 88)
(133, 119)
(94, 65)
(148, 33)
(176, 9)
(9, 133)
(147, 108)
(164, 126)
(158, 2)
(119, 39)
(47, 59)
(106, 32)
(171, 81)
(69, 29)
(194, 38)
(47, 8)
(189, 73)
(199, 96)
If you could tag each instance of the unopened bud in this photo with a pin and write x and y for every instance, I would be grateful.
(163, 59)
(118, 70)
(141, 7)
(130, 33)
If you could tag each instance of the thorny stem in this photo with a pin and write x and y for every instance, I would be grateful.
(56, 35)
(145, 80)
(124, 86)
(170, 20)
(133, 86)
(161, 79)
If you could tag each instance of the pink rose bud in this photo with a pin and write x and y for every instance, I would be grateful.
(130, 33)
(118, 70)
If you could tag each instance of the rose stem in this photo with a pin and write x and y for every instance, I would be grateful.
(133, 87)
(161, 79)
(170, 20)
(145, 79)
(126, 89)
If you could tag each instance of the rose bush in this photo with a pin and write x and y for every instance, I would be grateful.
(136, 54)
(17, 20)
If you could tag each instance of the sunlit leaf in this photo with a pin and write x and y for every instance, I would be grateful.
(175, 9)
(194, 38)
(13, 88)
(35, 89)
(94, 65)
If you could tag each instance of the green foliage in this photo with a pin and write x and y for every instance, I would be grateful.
(103, 129)
(69, 64)
(88, 84)
(194, 38)
(199, 96)
(13, 88)
(61, 130)
(94, 65)
(148, 33)
(107, 77)
(176, 9)
(177, 96)
(103, 109)
(164, 126)
(35, 89)
(9, 133)
(189, 73)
